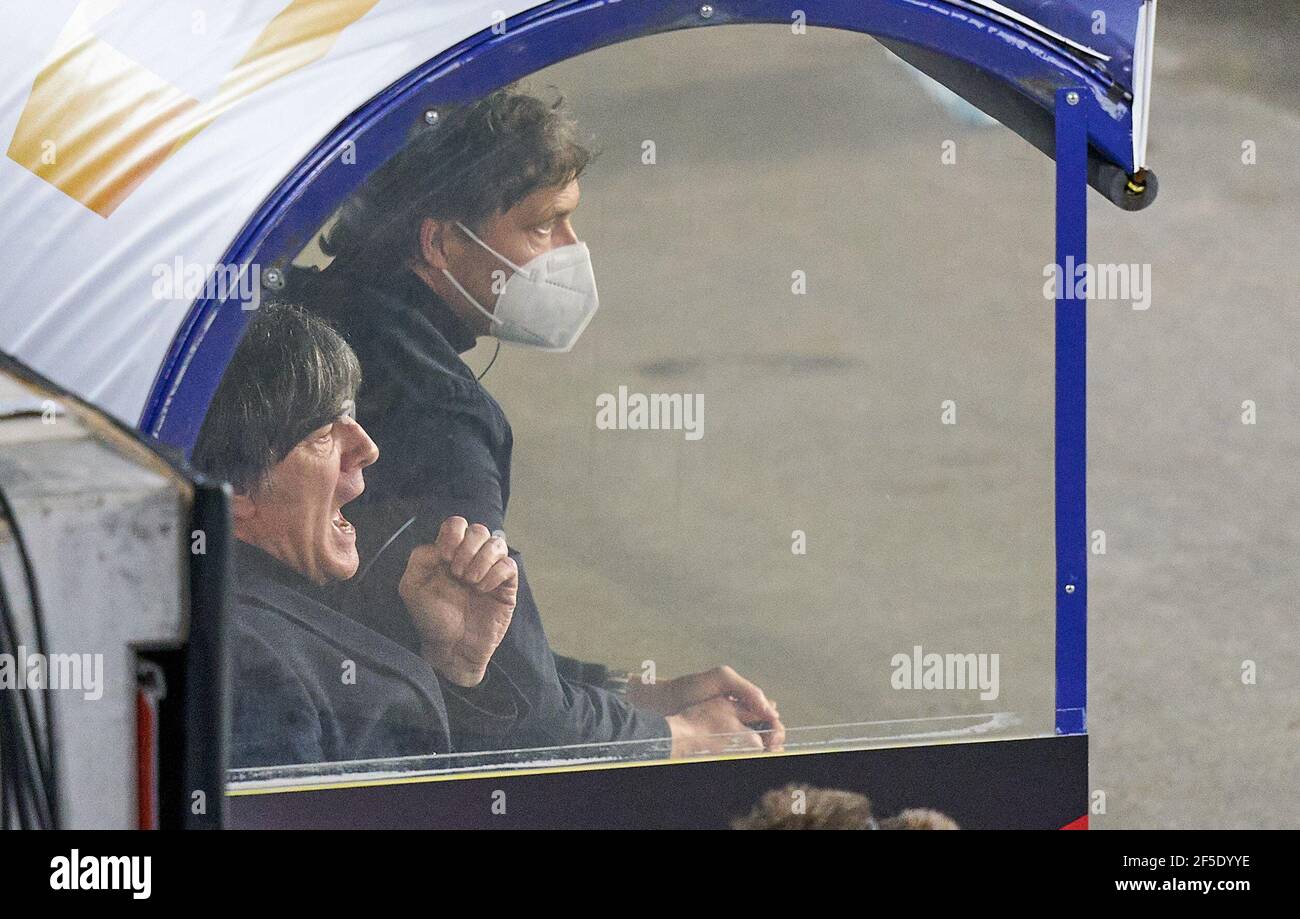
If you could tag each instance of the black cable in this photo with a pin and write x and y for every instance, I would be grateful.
(43, 787)
(4, 783)
(42, 644)
(27, 716)
(4, 791)
(15, 734)
(490, 363)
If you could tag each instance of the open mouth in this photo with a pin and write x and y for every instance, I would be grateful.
(341, 523)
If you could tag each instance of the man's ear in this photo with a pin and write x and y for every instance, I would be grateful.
(434, 237)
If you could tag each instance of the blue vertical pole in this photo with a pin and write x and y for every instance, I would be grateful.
(1071, 413)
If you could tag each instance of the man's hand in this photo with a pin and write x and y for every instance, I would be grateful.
(713, 726)
(720, 700)
(460, 593)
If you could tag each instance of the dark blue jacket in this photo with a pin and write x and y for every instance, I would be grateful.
(289, 655)
(445, 449)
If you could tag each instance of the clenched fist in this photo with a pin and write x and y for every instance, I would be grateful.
(460, 593)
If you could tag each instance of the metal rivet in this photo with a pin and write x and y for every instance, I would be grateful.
(1069, 588)
(706, 11)
(431, 117)
(273, 279)
(1072, 97)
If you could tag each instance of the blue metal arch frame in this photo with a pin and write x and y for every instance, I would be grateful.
(1071, 412)
(554, 32)
(562, 29)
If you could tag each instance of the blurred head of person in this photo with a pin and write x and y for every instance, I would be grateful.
(280, 430)
(798, 807)
(489, 183)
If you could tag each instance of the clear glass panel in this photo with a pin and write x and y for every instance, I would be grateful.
(824, 411)
(827, 273)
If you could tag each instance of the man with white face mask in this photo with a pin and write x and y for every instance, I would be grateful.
(468, 232)
(545, 304)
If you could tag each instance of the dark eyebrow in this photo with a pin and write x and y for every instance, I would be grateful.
(554, 213)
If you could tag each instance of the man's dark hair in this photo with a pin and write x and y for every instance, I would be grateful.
(291, 374)
(476, 161)
(832, 809)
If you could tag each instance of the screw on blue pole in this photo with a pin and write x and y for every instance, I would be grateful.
(1071, 412)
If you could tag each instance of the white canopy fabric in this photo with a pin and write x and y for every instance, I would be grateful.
(141, 137)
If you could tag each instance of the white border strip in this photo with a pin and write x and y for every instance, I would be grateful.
(1144, 46)
(1039, 27)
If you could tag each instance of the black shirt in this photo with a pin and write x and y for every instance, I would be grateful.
(445, 449)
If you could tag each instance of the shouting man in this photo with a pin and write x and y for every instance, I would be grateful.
(469, 232)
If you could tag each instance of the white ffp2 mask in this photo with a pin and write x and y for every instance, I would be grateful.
(546, 303)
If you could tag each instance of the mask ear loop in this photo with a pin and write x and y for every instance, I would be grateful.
(470, 233)
(465, 293)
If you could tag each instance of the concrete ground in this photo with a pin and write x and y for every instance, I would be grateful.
(777, 154)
